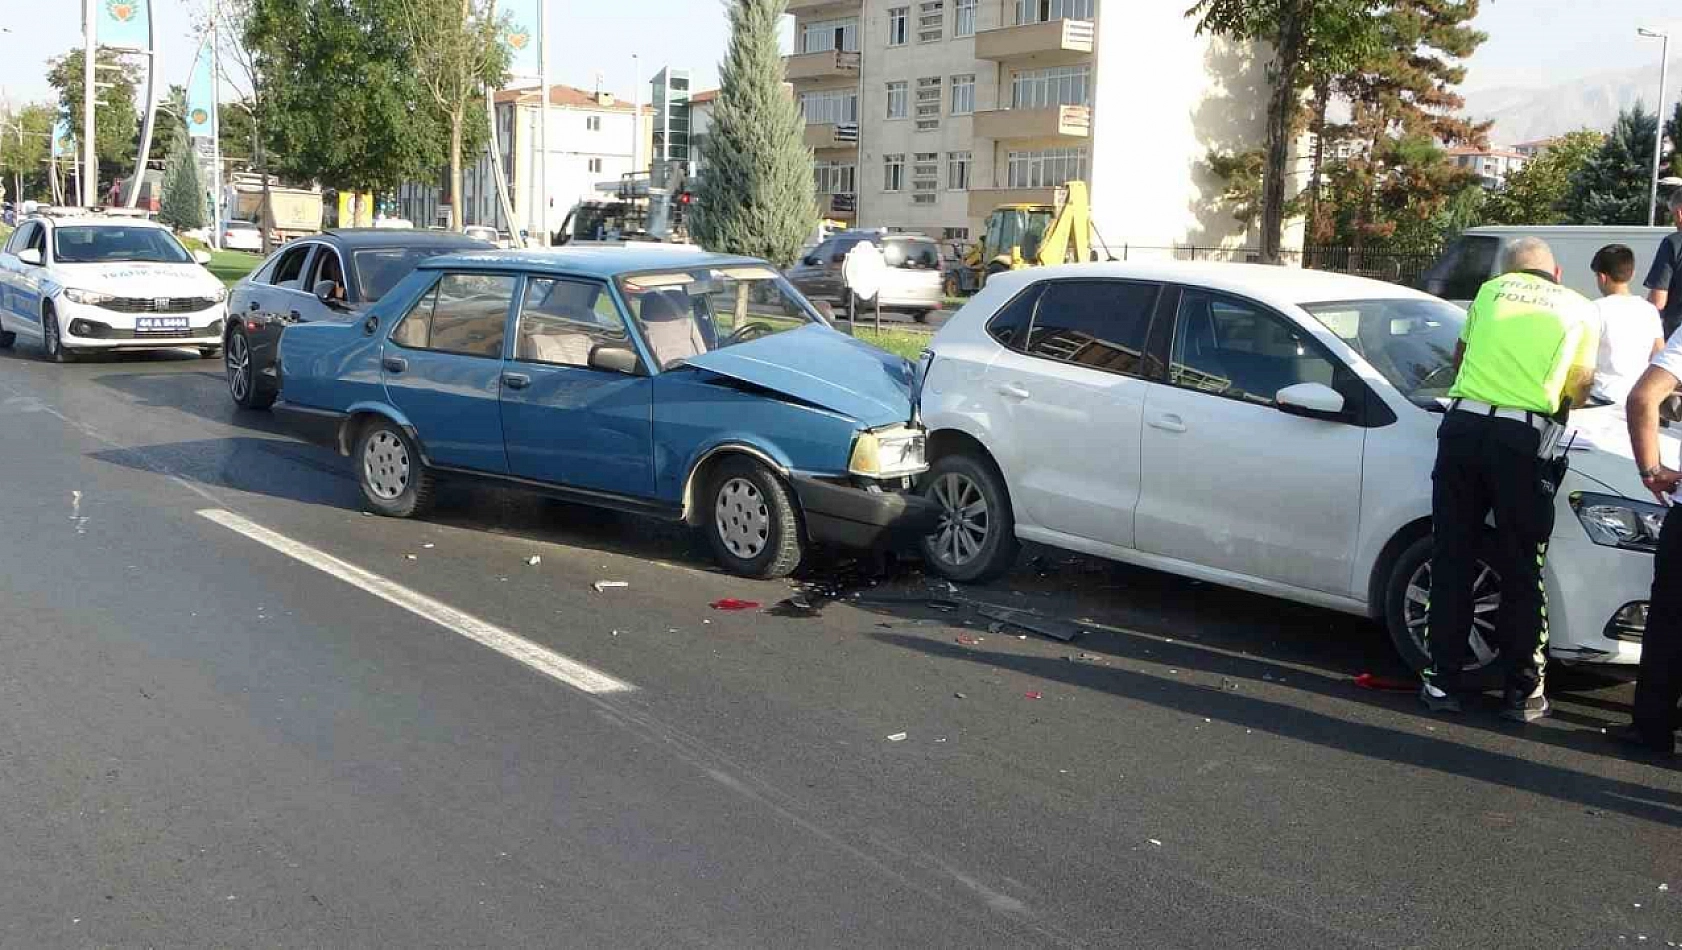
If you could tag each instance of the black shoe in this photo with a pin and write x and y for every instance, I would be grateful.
(1638, 743)
(1526, 710)
(1438, 701)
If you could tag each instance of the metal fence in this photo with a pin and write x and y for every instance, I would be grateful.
(1397, 267)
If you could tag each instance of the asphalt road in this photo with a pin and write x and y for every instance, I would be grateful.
(209, 740)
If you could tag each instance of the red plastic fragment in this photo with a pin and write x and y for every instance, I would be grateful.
(1033, 695)
(1384, 684)
(731, 603)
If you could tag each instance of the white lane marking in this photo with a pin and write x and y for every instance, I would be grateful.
(511, 645)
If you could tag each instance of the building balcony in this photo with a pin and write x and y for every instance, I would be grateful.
(982, 201)
(1052, 43)
(805, 8)
(840, 207)
(1054, 122)
(829, 64)
(822, 135)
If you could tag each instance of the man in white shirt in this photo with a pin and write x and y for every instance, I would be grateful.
(1631, 333)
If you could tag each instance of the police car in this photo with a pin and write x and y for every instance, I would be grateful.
(91, 284)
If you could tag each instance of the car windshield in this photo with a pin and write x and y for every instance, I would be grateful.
(91, 244)
(379, 269)
(684, 313)
(1409, 341)
(911, 255)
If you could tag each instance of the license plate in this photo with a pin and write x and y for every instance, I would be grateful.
(159, 324)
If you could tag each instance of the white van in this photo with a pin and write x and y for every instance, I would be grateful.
(1476, 256)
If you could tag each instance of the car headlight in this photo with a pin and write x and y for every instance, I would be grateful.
(86, 297)
(1616, 522)
(220, 294)
(894, 452)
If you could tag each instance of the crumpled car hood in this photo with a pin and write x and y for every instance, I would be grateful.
(822, 366)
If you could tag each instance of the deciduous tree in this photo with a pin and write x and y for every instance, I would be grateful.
(1536, 193)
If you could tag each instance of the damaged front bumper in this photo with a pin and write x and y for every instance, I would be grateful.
(862, 518)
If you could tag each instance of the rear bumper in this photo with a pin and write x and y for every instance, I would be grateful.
(856, 518)
(320, 426)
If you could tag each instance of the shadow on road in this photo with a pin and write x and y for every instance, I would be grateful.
(1293, 722)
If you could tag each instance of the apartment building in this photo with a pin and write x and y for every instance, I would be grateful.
(925, 115)
(1491, 165)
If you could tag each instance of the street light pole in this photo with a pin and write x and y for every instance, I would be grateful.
(1658, 133)
(90, 47)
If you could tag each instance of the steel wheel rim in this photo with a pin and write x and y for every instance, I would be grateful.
(385, 465)
(964, 519)
(743, 518)
(239, 367)
(52, 340)
(1486, 600)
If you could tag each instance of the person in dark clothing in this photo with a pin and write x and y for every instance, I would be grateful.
(1664, 278)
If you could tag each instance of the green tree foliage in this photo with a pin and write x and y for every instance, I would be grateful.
(182, 206)
(1536, 193)
(1242, 174)
(23, 159)
(236, 132)
(757, 196)
(1309, 38)
(116, 118)
(1612, 187)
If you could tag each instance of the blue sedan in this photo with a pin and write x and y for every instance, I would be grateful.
(694, 387)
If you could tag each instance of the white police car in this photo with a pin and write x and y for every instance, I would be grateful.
(93, 284)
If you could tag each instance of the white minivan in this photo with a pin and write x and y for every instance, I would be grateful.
(1476, 256)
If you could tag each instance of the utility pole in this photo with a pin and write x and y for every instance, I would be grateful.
(216, 130)
(1658, 133)
(90, 47)
(636, 114)
(543, 129)
(151, 107)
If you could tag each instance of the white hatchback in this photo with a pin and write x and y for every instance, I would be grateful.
(1265, 428)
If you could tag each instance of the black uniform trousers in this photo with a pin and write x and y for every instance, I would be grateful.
(1488, 464)
(1659, 688)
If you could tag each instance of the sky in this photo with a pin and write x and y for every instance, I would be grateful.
(1532, 42)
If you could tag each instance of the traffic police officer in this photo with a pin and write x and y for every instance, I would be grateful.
(1528, 344)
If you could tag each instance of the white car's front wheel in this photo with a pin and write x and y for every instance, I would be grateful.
(1407, 608)
(975, 540)
(52, 342)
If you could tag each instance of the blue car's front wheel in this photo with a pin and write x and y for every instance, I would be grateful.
(752, 522)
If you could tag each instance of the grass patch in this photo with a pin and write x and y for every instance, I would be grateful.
(230, 266)
(897, 342)
(6, 231)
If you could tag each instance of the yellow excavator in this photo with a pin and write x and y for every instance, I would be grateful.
(1028, 235)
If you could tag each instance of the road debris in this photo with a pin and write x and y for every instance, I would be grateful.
(1383, 684)
(609, 585)
(967, 640)
(959, 696)
(410, 557)
(897, 737)
(732, 603)
(1031, 622)
(533, 561)
(1155, 842)
(1034, 694)
(429, 545)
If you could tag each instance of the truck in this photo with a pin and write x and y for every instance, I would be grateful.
(293, 212)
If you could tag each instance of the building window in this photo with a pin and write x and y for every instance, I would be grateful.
(831, 107)
(1057, 86)
(931, 21)
(898, 99)
(595, 166)
(963, 94)
(928, 104)
(957, 170)
(593, 123)
(821, 36)
(963, 18)
(893, 173)
(1045, 168)
(899, 26)
(925, 177)
(835, 178)
(954, 234)
(1041, 11)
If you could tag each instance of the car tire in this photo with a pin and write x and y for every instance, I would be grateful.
(209, 352)
(249, 388)
(1405, 600)
(52, 344)
(922, 316)
(752, 522)
(970, 546)
(7, 339)
(394, 480)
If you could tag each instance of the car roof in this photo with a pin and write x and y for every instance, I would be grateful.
(95, 220)
(1279, 286)
(603, 262)
(353, 238)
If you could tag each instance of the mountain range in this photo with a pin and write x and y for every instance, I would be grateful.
(1524, 114)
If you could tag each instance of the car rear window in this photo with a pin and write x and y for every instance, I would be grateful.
(911, 254)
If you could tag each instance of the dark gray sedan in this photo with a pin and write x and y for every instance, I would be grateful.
(330, 276)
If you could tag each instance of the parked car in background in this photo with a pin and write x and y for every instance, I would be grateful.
(1266, 428)
(489, 235)
(692, 387)
(1476, 256)
(85, 284)
(242, 236)
(332, 276)
(912, 284)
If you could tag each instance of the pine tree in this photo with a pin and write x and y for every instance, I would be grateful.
(1612, 187)
(756, 196)
(182, 204)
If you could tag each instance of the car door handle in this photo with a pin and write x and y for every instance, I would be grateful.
(1013, 391)
(294, 316)
(394, 364)
(516, 380)
(1168, 422)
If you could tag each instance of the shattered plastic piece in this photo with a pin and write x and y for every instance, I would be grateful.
(732, 603)
(940, 739)
(429, 545)
(409, 557)
(1664, 887)
(1383, 684)
(606, 585)
(1034, 694)
(967, 640)
(1156, 842)
(897, 737)
(533, 561)
(1044, 626)
(959, 696)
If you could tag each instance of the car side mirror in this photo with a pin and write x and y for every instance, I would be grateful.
(809, 261)
(370, 325)
(201, 257)
(615, 359)
(30, 255)
(1311, 401)
(327, 291)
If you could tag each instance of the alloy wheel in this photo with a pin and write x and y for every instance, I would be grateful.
(1486, 601)
(964, 519)
(239, 367)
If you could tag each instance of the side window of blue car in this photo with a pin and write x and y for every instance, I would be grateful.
(561, 321)
(465, 314)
